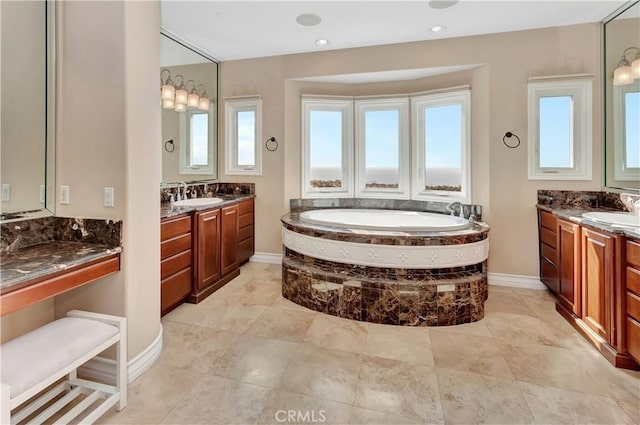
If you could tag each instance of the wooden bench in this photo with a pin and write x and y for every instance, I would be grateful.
(40, 358)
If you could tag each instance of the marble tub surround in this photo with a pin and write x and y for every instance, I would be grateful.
(409, 297)
(21, 234)
(169, 210)
(206, 189)
(299, 205)
(37, 261)
(584, 199)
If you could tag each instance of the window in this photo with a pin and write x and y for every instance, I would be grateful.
(382, 156)
(327, 148)
(441, 146)
(197, 153)
(560, 129)
(243, 134)
(626, 131)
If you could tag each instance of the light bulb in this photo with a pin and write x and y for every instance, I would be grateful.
(635, 68)
(180, 107)
(181, 96)
(168, 104)
(168, 91)
(203, 103)
(622, 75)
(193, 99)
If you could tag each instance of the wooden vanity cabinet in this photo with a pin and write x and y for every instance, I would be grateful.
(246, 240)
(207, 264)
(229, 239)
(569, 266)
(598, 282)
(632, 298)
(175, 262)
(548, 237)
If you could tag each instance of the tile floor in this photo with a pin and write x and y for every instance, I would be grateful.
(245, 355)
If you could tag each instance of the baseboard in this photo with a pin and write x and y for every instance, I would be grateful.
(266, 257)
(516, 281)
(104, 370)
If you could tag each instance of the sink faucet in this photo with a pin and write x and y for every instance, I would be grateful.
(179, 196)
(451, 208)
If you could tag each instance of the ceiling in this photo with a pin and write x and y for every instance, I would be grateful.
(229, 30)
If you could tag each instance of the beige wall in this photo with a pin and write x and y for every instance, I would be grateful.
(108, 135)
(23, 103)
(203, 73)
(499, 104)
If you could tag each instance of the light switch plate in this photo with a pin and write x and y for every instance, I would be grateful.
(6, 192)
(64, 195)
(108, 197)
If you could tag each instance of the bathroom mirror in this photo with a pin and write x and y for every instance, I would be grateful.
(27, 108)
(189, 136)
(621, 81)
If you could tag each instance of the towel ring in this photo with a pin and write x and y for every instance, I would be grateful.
(508, 135)
(271, 144)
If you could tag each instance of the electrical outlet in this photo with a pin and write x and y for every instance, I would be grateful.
(6, 192)
(42, 194)
(108, 197)
(64, 195)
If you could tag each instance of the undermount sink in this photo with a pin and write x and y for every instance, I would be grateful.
(617, 218)
(197, 202)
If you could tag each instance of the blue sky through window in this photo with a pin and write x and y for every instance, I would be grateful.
(556, 119)
(632, 124)
(246, 138)
(382, 143)
(443, 146)
(199, 139)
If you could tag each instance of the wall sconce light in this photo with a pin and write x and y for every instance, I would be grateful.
(626, 72)
(177, 96)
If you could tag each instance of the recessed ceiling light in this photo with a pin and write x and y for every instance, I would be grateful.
(438, 28)
(442, 4)
(322, 42)
(308, 19)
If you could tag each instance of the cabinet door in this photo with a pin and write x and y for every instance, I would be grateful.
(597, 281)
(229, 245)
(569, 264)
(208, 251)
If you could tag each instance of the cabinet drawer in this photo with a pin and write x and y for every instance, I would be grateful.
(174, 289)
(548, 237)
(633, 305)
(549, 275)
(245, 250)
(633, 280)
(173, 246)
(245, 207)
(172, 228)
(633, 253)
(175, 263)
(550, 253)
(548, 220)
(245, 220)
(245, 232)
(633, 338)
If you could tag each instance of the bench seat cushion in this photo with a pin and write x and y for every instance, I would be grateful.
(31, 358)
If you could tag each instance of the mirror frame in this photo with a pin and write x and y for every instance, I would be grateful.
(51, 102)
(605, 142)
(215, 108)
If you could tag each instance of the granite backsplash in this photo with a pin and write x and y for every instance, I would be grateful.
(207, 190)
(21, 234)
(298, 205)
(587, 199)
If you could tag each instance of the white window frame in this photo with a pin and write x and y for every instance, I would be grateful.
(621, 172)
(362, 106)
(418, 105)
(232, 107)
(341, 104)
(185, 144)
(581, 91)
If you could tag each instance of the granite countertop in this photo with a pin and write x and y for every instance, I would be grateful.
(32, 262)
(169, 210)
(477, 231)
(574, 214)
